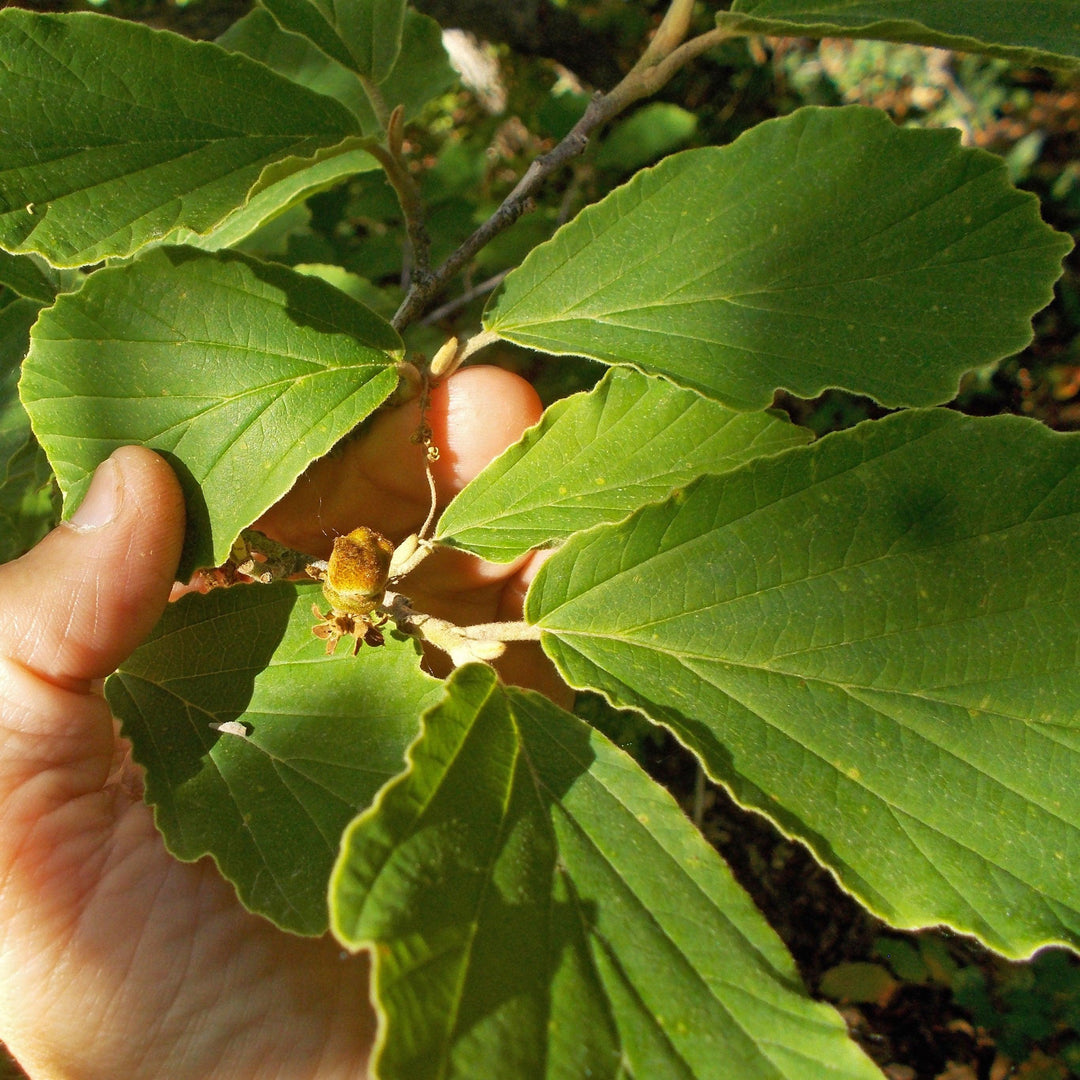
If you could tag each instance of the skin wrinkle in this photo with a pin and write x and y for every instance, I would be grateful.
(51, 776)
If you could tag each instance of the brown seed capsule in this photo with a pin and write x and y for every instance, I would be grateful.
(358, 571)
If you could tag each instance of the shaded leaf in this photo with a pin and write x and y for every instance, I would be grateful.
(421, 72)
(858, 981)
(383, 301)
(22, 274)
(539, 908)
(1024, 32)
(827, 248)
(113, 135)
(596, 456)
(27, 504)
(323, 735)
(279, 195)
(272, 239)
(654, 130)
(259, 36)
(364, 35)
(873, 640)
(240, 372)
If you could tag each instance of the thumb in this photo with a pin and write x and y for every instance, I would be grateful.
(77, 604)
(70, 610)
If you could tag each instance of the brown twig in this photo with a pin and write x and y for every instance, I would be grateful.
(654, 69)
(467, 297)
(411, 207)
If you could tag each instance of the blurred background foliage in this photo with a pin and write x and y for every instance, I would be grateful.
(928, 1006)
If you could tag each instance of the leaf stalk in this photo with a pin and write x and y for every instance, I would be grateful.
(463, 644)
(412, 208)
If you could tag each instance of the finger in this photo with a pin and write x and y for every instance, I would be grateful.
(379, 479)
(91, 590)
(73, 607)
(475, 416)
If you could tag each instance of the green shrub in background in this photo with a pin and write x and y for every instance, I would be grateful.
(872, 638)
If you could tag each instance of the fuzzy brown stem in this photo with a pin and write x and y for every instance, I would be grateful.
(413, 210)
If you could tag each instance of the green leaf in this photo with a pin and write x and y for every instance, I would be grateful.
(539, 908)
(874, 641)
(1024, 32)
(274, 196)
(384, 301)
(323, 735)
(24, 275)
(27, 509)
(596, 456)
(258, 35)
(827, 248)
(364, 35)
(113, 135)
(421, 72)
(654, 130)
(240, 372)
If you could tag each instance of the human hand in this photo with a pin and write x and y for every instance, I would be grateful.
(379, 480)
(116, 960)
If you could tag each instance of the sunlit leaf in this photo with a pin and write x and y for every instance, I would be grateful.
(113, 135)
(595, 457)
(240, 372)
(1025, 32)
(322, 735)
(540, 908)
(827, 248)
(874, 640)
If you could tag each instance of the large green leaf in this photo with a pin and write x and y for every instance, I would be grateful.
(540, 908)
(240, 372)
(828, 248)
(113, 135)
(596, 456)
(874, 640)
(323, 735)
(1025, 32)
(27, 508)
(364, 35)
(421, 71)
(258, 35)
